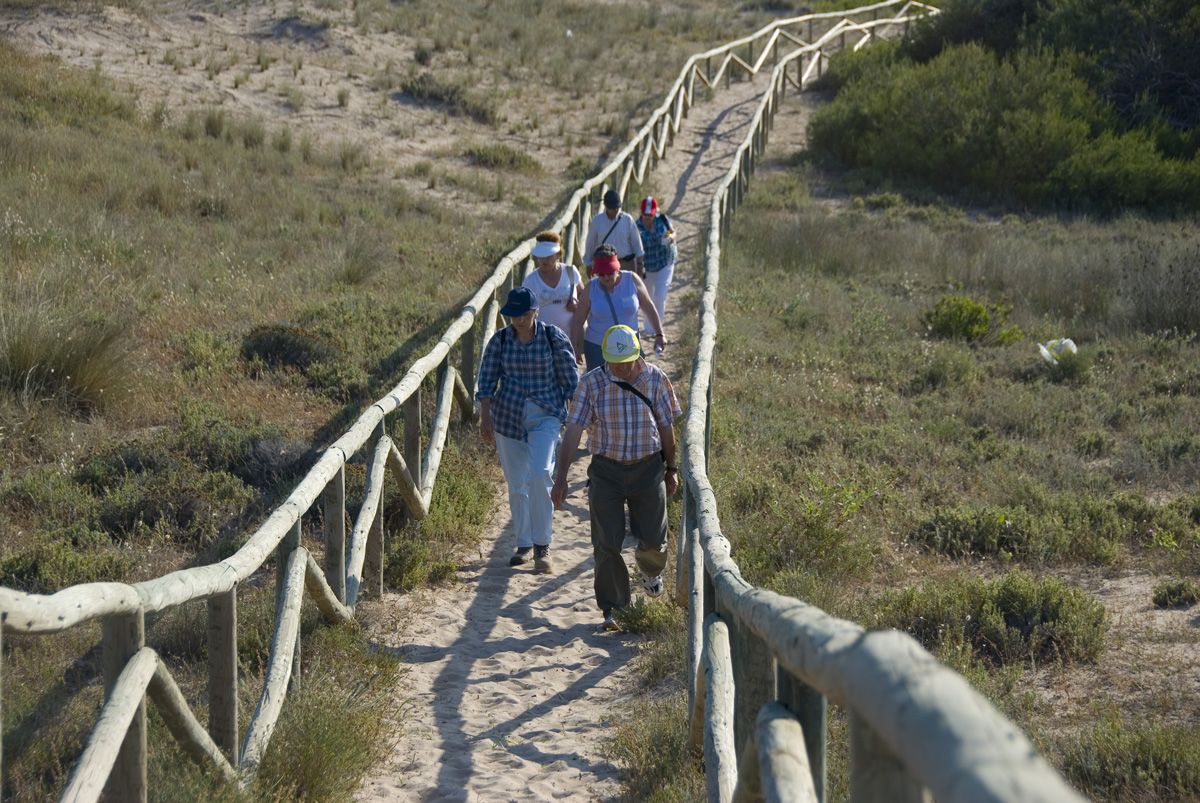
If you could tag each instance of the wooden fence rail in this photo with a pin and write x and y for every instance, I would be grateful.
(762, 666)
(115, 759)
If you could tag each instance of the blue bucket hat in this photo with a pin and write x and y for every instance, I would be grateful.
(520, 301)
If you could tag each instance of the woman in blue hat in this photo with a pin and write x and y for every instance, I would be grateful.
(526, 378)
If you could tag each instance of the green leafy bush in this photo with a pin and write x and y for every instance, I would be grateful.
(958, 317)
(1016, 618)
(1026, 126)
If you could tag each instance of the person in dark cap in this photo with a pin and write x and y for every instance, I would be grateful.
(618, 229)
(526, 378)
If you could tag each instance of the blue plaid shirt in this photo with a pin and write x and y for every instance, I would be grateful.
(660, 252)
(542, 370)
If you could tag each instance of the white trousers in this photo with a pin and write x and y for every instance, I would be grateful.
(529, 471)
(659, 283)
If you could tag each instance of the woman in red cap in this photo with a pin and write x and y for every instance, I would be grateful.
(658, 241)
(613, 297)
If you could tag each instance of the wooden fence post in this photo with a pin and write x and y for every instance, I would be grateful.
(123, 635)
(810, 707)
(333, 514)
(3, 616)
(223, 673)
(373, 565)
(875, 772)
(720, 752)
(467, 372)
(753, 679)
(412, 436)
(287, 546)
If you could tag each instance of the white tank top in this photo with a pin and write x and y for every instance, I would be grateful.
(552, 301)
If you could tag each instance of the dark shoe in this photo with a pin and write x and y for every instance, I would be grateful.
(541, 559)
(520, 556)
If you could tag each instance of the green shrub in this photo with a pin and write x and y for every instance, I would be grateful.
(282, 344)
(502, 157)
(958, 317)
(1115, 760)
(653, 748)
(1014, 619)
(65, 557)
(650, 618)
(332, 734)
(1176, 594)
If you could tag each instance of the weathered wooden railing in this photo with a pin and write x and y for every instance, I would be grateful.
(761, 666)
(115, 757)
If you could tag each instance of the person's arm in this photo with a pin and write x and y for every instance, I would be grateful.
(576, 289)
(639, 250)
(486, 429)
(582, 310)
(566, 456)
(666, 434)
(566, 375)
(489, 376)
(648, 309)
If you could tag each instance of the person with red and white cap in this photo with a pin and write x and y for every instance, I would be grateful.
(658, 241)
(612, 297)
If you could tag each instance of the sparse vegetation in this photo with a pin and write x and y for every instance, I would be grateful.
(1176, 594)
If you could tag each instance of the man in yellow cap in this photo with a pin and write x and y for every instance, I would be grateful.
(628, 407)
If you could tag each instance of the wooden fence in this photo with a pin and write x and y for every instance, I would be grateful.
(761, 666)
(114, 761)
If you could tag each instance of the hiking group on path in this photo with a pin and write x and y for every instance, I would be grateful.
(530, 388)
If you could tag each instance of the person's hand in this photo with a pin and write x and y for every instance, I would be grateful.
(487, 430)
(672, 480)
(572, 304)
(558, 493)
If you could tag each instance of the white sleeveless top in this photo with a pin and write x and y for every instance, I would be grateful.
(552, 301)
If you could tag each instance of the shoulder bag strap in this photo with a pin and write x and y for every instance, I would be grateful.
(640, 395)
(611, 306)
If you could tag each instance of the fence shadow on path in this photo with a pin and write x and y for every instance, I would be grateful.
(480, 646)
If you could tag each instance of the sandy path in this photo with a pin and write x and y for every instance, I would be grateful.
(509, 689)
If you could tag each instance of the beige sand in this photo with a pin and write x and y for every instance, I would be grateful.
(511, 691)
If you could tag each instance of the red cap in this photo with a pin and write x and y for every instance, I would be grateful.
(604, 265)
(649, 206)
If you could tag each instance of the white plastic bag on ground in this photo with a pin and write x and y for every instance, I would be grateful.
(1053, 349)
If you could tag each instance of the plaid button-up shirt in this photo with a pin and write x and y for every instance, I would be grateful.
(620, 425)
(542, 370)
(660, 250)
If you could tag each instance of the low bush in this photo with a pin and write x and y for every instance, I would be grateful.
(1014, 619)
(283, 344)
(963, 318)
(1144, 761)
(63, 557)
(428, 87)
(502, 157)
(652, 747)
(53, 347)
(1176, 594)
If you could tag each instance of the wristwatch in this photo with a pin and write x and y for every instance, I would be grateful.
(673, 468)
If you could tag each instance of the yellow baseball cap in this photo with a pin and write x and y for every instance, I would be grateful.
(620, 344)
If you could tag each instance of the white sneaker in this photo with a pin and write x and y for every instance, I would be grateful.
(652, 586)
